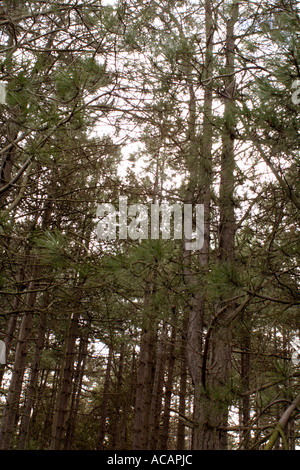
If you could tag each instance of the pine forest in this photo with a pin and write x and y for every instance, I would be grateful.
(149, 225)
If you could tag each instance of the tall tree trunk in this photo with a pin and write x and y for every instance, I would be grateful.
(11, 410)
(245, 382)
(145, 373)
(124, 431)
(145, 377)
(12, 324)
(31, 391)
(59, 421)
(21, 284)
(12, 128)
(214, 405)
(77, 385)
(116, 430)
(103, 416)
(204, 175)
(157, 395)
(49, 415)
(182, 394)
(169, 387)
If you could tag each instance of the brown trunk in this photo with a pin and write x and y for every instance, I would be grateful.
(214, 405)
(46, 431)
(182, 397)
(144, 390)
(157, 395)
(11, 410)
(11, 131)
(145, 374)
(245, 387)
(11, 328)
(12, 324)
(124, 426)
(59, 421)
(116, 431)
(169, 387)
(31, 391)
(74, 408)
(102, 430)
(204, 175)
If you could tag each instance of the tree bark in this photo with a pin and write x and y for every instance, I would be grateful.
(11, 410)
(145, 377)
(116, 431)
(204, 165)
(214, 406)
(245, 383)
(157, 395)
(182, 394)
(103, 427)
(31, 391)
(281, 425)
(77, 385)
(145, 373)
(59, 421)
(169, 386)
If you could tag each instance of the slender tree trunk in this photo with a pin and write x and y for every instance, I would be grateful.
(145, 374)
(182, 394)
(11, 410)
(157, 395)
(103, 427)
(245, 382)
(59, 421)
(214, 405)
(31, 391)
(169, 387)
(116, 431)
(12, 128)
(11, 328)
(124, 433)
(77, 385)
(35, 431)
(145, 377)
(50, 412)
(204, 176)
(12, 324)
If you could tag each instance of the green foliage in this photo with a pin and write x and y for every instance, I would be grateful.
(224, 281)
(82, 75)
(51, 247)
